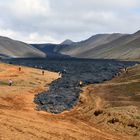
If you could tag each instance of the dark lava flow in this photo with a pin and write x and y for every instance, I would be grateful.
(64, 92)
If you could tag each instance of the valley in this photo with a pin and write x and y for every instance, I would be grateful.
(102, 111)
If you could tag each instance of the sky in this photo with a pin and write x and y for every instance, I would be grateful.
(53, 21)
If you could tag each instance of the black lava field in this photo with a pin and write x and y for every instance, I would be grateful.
(64, 92)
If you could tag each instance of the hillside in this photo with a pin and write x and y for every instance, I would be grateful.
(51, 50)
(100, 46)
(126, 47)
(100, 114)
(15, 49)
(113, 46)
(83, 46)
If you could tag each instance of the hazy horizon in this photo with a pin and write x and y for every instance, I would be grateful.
(52, 21)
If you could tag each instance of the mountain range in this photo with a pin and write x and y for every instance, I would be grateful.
(100, 46)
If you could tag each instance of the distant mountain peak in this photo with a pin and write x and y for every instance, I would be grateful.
(67, 42)
(137, 33)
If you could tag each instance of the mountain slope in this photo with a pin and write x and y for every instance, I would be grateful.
(15, 49)
(94, 41)
(19, 120)
(51, 50)
(100, 46)
(107, 46)
(125, 47)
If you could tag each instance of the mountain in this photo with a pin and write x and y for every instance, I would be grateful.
(125, 47)
(15, 49)
(100, 46)
(51, 50)
(67, 42)
(104, 46)
(79, 48)
(54, 50)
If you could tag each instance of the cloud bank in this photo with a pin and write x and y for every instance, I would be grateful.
(40, 21)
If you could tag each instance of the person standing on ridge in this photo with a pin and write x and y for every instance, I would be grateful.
(43, 72)
(60, 74)
(19, 68)
(80, 83)
(10, 82)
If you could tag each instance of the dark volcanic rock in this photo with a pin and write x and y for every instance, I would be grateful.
(64, 92)
(63, 95)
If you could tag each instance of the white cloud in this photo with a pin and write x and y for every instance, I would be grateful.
(8, 33)
(35, 37)
(56, 20)
(29, 38)
(29, 8)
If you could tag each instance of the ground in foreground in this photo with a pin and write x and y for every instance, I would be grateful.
(19, 120)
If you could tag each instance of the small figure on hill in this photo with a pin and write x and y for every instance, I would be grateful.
(118, 74)
(19, 68)
(43, 72)
(60, 74)
(10, 82)
(126, 70)
(80, 83)
(64, 71)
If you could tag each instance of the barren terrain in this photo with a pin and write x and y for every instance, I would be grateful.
(108, 111)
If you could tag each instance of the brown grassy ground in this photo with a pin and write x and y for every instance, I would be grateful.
(113, 105)
(100, 114)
